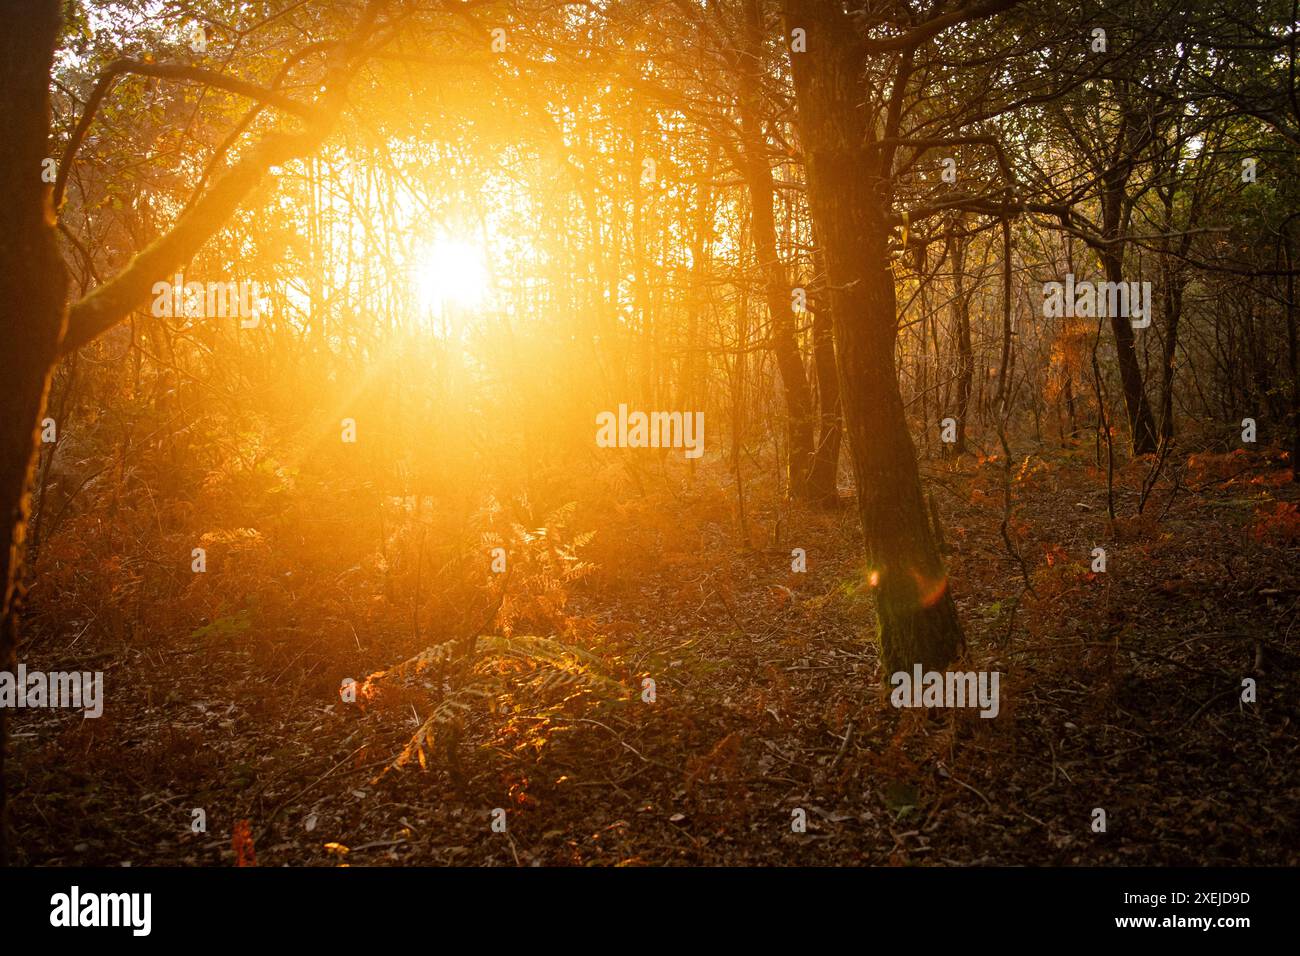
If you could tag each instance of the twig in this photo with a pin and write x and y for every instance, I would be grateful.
(848, 735)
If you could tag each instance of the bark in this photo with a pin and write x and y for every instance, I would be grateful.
(1141, 423)
(1292, 349)
(1115, 210)
(961, 321)
(823, 486)
(1004, 366)
(1172, 284)
(693, 368)
(849, 195)
(33, 283)
(776, 287)
(1173, 299)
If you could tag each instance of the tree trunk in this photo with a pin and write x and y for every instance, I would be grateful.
(1115, 213)
(33, 283)
(1173, 299)
(1140, 420)
(692, 390)
(917, 619)
(823, 485)
(850, 203)
(961, 321)
(1292, 357)
(776, 287)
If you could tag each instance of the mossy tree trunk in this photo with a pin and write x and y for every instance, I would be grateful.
(849, 191)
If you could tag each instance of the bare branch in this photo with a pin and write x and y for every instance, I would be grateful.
(178, 71)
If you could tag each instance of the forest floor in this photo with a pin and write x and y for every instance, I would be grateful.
(1120, 691)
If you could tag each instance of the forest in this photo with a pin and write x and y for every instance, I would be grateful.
(574, 433)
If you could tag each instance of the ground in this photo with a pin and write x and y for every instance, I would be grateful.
(1121, 690)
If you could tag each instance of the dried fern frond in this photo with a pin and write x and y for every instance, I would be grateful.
(551, 665)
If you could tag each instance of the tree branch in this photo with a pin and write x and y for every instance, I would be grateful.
(112, 301)
(924, 31)
(178, 71)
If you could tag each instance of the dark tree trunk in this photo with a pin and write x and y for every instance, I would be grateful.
(849, 198)
(776, 287)
(1293, 358)
(823, 485)
(33, 284)
(1115, 216)
(1173, 299)
(961, 322)
(693, 370)
(1171, 294)
(1140, 420)
(1002, 396)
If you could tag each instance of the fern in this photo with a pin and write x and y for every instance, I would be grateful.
(477, 675)
(550, 666)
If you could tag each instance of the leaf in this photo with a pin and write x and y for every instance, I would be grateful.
(225, 628)
(900, 797)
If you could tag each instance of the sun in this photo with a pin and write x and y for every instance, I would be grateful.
(451, 274)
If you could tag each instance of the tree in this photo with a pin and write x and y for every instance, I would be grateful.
(32, 282)
(849, 136)
(39, 325)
